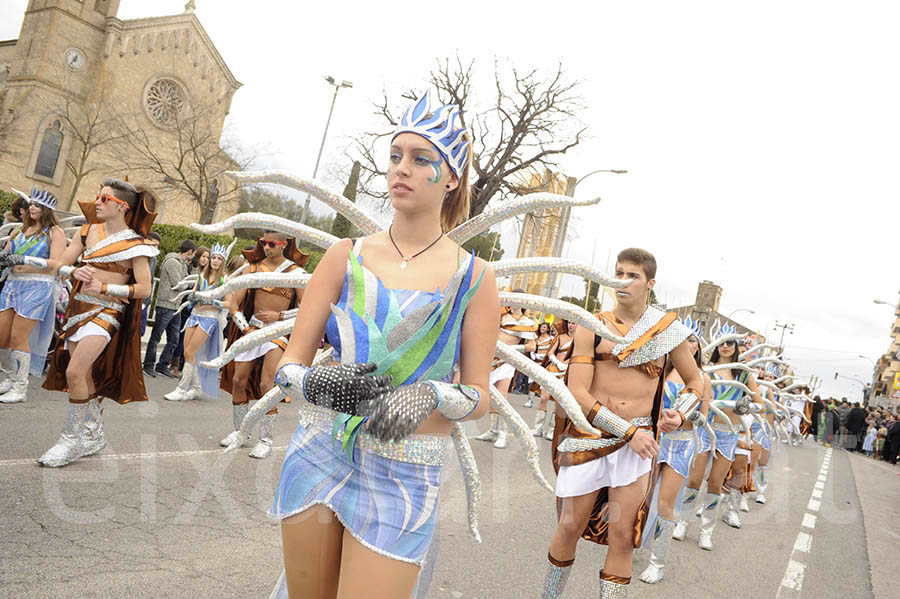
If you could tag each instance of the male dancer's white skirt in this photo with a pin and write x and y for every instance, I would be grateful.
(618, 469)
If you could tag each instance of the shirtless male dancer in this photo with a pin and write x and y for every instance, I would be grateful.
(602, 484)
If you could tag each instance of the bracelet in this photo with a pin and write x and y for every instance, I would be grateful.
(113, 290)
(66, 270)
(604, 418)
(455, 402)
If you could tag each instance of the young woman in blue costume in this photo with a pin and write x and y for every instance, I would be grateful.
(203, 334)
(676, 450)
(28, 300)
(405, 309)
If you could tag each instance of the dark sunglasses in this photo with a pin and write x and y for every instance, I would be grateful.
(271, 244)
(104, 198)
(730, 343)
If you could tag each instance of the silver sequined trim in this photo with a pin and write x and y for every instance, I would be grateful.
(124, 235)
(31, 276)
(97, 301)
(658, 346)
(580, 444)
(680, 435)
(722, 428)
(138, 250)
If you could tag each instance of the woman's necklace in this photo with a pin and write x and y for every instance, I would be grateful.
(405, 260)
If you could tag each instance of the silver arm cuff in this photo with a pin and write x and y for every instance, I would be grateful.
(456, 402)
(611, 422)
(117, 290)
(66, 271)
(289, 313)
(240, 320)
(35, 262)
(289, 379)
(686, 404)
(559, 363)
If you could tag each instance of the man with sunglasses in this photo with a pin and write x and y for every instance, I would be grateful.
(100, 353)
(167, 318)
(252, 373)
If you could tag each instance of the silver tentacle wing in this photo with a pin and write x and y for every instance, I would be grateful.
(259, 220)
(471, 477)
(513, 266)
(520, 429)
(560, 308)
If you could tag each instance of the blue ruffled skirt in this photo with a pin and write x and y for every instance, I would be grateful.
(212, 349)
(677, 453)
(33, 298)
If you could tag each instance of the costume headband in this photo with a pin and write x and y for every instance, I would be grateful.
(439, 126)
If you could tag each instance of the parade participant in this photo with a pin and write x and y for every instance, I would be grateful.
(542, 345)
(620, 389)
(730, 448)
(556, 363)
(28, 299)
(519, 331)
(762, 444)
(197, 266)
(203, 339)
(332, 482)
(676, 449)
(100, 354)
(252, 373)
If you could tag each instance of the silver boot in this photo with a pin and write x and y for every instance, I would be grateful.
(538, 423)
(529, 402)
(5, 370)
(92, 429)
(712, 507)
(613, 587)
(238, 411)
(762, 482)
(730, 517)
(659, 549)
(491, 433)
(549, 422)
(687, 504)
(183, 391)
(70, 446)
(502, 435)
(556, 577)
(263, 448)
(744, 505)
(18, 377)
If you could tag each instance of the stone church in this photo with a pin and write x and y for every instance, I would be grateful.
(78, 78)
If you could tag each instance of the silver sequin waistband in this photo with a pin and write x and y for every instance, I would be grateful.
(258, 324)
(429, 450)
(31, 276)
(573, 444)
(97, 301)
(720, 427)
(680, 435)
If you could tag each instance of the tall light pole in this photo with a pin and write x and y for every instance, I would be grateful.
(789, 327)
(564, 215)
(337, 86)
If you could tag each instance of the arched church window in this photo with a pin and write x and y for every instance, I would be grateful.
(48, 155)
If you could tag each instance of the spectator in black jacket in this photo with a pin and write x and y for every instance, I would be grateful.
(856, 427)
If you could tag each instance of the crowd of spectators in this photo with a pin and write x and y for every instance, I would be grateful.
(871, 430)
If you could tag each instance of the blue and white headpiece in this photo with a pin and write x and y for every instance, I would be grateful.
(773, 370)
(694, 326)
(219, 249)
(722, 330)
(441, 126)
(43, 197)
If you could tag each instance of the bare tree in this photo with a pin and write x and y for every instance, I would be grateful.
(192, 156)
(530, 122)
(8, 123)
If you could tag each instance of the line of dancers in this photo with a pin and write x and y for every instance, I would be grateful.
(387, 348)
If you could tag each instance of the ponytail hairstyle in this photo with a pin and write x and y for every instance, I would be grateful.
(457, 203)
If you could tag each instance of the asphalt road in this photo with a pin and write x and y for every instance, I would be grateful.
(161, 512)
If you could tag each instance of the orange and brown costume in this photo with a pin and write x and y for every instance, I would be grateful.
(116, 372)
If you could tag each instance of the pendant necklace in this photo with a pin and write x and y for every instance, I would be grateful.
(405, 260)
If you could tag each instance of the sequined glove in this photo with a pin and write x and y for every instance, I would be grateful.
(696, 418)
(240, 321)
(340, 387)
(194, 298)
(742, 406)
(400, 412)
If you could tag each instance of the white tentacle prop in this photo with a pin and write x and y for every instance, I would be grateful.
(711, 433)
(722, 416)
(297, 279)
(8, 227)
(471, 477)
(514, 266)
(734, 384)
(560, 308)
(765, 359)
(520, 429)
(768, 385)
(789, 388)
(332, 199)
(509, 208)
(71, 221)
(554, 386)
(728, 366)
(756, 348)
(251, 418)
(259, 220)
(238, 271)
(746, 424)
(251, 340)
(323, 356)
(722, 339)
(784, 378)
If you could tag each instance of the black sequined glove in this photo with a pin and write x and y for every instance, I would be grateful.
(340, 387)
(398, 413)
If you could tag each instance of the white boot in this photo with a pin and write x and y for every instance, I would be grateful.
(549, 422)
(711, 508)
(491, 433)
(538, 423)
(71, 445)
(19, 377)
(690, 498)
(762, 482)
(501, 441)
(263, 448)
(529, 403)
(745, 505)
(238, 411)
(659, 549)
(6, 368)
(183, 391)
(196, 391)
(92, 429)
(730, 517)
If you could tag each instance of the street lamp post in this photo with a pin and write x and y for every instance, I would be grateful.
(337, 86)
(785, 326)
(564, 215)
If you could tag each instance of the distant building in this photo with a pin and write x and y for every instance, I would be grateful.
(705, 310)
(887, 370)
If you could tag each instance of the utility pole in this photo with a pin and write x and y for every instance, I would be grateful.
(784, 327)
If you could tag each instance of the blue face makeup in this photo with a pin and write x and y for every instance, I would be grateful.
(436, 165)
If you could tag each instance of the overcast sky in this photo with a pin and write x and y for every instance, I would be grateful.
(761, 139)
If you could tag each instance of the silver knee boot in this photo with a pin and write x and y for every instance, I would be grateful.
(491, 433)
(613, 587)
(6, 368)
(549, 421)
(712, 507)
(659, 549)
(18, 378)
(238, 411)
(762, 482)
(73, 441)
(183, 391)
(730, 517)
(538, 423)
(687, 504)
(263, 448)
(556, 577)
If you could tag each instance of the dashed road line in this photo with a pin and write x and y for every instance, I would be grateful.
(132, 456)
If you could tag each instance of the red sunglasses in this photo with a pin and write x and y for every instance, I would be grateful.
(104, 198)
(271, 244)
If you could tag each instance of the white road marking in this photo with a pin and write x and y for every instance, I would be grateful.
(809, 521)
(803, 542)
(793, 575)
(131, 456)
(820, 484)
(817, 494)
(813, 505)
